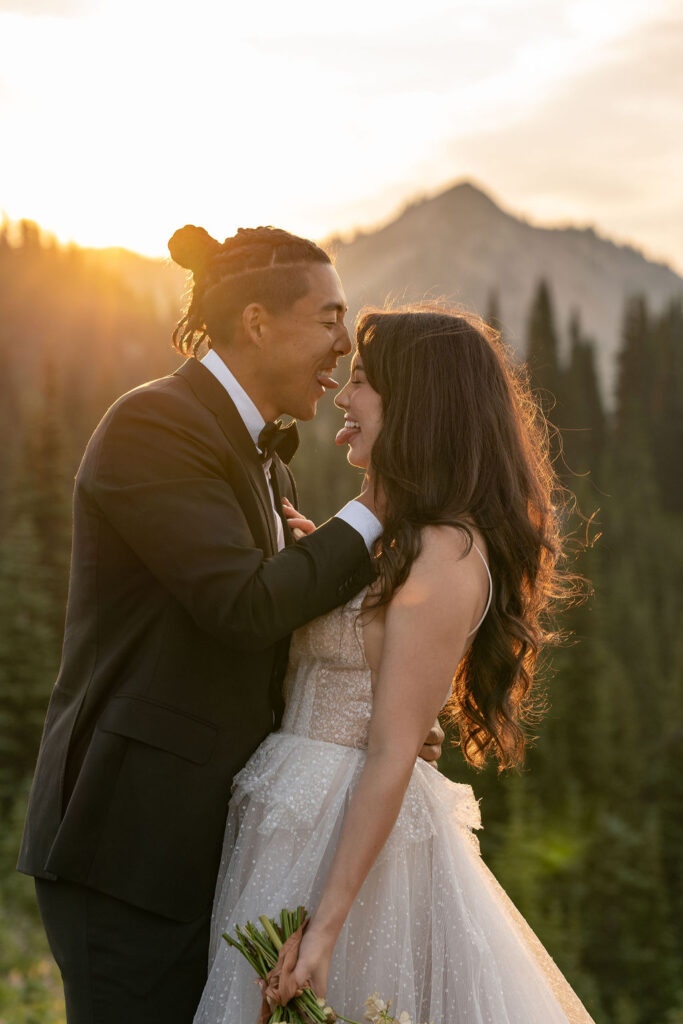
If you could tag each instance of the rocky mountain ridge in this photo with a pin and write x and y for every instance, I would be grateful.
(462, 246)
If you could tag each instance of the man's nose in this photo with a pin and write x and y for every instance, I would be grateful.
(343, 342)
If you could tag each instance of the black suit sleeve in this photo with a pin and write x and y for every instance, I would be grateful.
(159, 482)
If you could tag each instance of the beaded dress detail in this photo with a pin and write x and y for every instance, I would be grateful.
(431, 929)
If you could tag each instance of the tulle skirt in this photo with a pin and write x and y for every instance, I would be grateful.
(431, 929)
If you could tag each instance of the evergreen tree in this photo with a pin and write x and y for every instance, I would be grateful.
(29, 653)
(584, 421)
(542, 352)
(587, 838)
(46, 492)
(10, 429)
(635, 390)
(34, 558)
(667, 406)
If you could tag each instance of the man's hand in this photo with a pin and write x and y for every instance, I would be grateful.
(431, 749)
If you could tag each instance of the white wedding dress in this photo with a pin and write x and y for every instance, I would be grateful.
(431, 929)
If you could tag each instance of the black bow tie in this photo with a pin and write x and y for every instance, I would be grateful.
(276, 438)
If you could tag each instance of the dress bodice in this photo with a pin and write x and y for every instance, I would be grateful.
(328, 685)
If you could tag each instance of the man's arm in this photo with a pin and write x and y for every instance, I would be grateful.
(162, 487)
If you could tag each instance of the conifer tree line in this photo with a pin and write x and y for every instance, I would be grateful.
(587, 839)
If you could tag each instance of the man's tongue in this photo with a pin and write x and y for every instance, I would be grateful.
(345, 435)
(326, 381)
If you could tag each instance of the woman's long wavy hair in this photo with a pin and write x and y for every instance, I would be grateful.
(464, 443)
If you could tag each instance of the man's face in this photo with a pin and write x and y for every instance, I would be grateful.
(301, 346)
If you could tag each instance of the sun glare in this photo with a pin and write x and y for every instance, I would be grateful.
(135, 118)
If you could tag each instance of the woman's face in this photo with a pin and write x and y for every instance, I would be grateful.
(362, 415)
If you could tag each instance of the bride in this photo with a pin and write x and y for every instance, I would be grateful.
(335, 810)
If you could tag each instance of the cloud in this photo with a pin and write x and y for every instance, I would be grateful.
(440, 51)
(607, 146)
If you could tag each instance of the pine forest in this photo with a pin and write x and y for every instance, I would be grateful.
(586, 839)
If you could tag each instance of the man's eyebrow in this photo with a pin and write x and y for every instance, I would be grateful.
(336, 307)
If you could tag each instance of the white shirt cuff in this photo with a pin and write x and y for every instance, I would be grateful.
(362, 520)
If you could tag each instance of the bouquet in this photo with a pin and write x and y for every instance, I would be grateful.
(273, 953)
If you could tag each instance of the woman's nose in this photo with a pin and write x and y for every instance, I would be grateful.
(340, 399)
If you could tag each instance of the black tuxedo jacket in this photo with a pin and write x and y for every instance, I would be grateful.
(178, 622)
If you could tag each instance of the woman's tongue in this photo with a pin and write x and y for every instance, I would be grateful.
(345, 434)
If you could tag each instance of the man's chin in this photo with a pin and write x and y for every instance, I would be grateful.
(305, 406)
(303, 411)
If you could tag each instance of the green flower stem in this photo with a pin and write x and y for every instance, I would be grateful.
(262, 944)
(308, 1004)
(260, 950)
(237, 945)
(271, 932)
(284, 924)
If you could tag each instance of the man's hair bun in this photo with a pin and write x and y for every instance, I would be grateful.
(193, 248)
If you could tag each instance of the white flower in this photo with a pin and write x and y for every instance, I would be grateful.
(404, 1018)
(374, 1008)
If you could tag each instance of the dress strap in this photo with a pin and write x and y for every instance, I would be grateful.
(488, 603)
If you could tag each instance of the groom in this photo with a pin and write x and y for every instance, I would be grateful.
(185, 587)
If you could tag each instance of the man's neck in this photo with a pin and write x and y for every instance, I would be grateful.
(247, 376)
(246, 408)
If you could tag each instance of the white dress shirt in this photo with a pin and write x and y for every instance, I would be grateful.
(354, 513)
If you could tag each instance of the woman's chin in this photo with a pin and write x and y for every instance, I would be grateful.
(357, 459)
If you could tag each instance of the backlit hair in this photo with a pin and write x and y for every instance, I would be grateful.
(264, 265)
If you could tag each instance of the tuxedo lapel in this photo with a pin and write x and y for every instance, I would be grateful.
(211, 393)
(283, 487)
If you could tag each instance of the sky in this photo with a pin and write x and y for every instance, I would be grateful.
(121, 120)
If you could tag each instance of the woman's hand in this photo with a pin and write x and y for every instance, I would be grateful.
(298, 523)
(313, 965)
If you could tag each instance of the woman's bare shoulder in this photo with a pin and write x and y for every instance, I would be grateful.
(443, 546)
(445, 571)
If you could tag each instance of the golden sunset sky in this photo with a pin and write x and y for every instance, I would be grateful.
(121, 120)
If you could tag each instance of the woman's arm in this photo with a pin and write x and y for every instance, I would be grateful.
(425, 636)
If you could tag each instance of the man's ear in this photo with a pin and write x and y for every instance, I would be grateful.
(254, 317)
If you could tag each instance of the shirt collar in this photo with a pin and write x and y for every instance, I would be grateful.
(251, 417)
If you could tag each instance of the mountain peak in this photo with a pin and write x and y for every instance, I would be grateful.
(466, 190)
(463, 245)
(461, 197)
